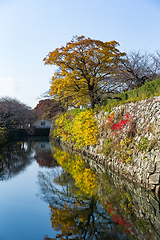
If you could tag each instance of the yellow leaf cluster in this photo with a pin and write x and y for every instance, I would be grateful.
(84, 177)
(85, 129)
(81, 128)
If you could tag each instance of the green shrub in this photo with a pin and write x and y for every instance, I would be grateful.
(150, 89)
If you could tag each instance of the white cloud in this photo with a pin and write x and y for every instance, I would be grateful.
(25, 92)
(9, 87)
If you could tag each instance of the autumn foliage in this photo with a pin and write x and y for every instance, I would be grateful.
(84, 66)
(78, 127)
(48, 109)
(85, 178)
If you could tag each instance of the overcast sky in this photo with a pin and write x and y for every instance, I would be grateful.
(30, 29)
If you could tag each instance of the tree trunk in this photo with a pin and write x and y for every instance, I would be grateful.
(92, 104)
(92, 96)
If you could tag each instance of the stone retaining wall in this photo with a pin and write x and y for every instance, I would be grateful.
(144, 168)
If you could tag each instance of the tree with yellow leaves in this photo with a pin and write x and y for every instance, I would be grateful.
(74, 209)
(84, 70)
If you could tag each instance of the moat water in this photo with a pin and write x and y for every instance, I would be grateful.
(44, 196)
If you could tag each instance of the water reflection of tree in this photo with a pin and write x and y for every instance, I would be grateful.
(45, 159)
(43, 154)
(75, 214)
(16, 157)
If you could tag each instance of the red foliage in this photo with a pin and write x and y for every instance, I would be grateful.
(48, 108)
(119, 219)
(121, 124)
(110, 119)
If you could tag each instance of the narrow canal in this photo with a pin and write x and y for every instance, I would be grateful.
(47, 193)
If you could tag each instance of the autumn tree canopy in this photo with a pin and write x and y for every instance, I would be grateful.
(84, 66)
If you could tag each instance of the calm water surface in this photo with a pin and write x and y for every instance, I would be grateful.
(44, 196)
(23, 214)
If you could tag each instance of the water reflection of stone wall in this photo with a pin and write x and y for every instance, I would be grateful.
(134, 208)
(140, 206)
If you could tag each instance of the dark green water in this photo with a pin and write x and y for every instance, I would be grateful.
(41, 200)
